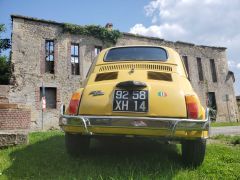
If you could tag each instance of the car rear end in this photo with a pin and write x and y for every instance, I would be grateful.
(139, 91)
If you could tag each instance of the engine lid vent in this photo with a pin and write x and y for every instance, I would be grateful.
(139, 66)
(159, 76)
(106, 76)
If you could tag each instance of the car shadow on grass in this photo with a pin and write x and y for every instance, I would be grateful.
(112, 159)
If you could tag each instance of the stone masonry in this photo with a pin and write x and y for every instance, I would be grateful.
(14, 124)
(29, 36)
(14, 117)
(238, 104)
(4, 93)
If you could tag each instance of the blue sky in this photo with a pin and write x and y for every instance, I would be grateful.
(205, 22)
(123, 14)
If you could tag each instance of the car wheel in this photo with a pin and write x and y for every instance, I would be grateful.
(76, 144)
(193, 152)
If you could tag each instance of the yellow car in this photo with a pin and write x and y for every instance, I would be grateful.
(137, 91)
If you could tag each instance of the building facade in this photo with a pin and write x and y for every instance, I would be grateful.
(238, 104)
(44, 55)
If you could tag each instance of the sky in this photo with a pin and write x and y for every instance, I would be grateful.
(205, 22)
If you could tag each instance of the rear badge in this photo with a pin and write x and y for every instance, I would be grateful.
(96, 93)
(162, 94)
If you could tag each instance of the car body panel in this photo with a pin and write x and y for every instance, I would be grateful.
(158, 105)
(151, 132)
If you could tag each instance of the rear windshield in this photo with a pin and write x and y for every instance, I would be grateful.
(136, 53)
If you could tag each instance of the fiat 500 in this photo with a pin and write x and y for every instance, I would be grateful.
(137, 91)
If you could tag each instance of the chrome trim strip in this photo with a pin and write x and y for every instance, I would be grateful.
(171, 124)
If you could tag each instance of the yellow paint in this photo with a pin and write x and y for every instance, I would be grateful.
(101, 130)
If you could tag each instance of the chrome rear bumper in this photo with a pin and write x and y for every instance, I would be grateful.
(171, 124)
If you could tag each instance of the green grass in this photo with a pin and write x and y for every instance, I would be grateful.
(221, 124)
(45, 158)
(235, 140)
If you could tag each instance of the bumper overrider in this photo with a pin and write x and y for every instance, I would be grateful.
(136, 126)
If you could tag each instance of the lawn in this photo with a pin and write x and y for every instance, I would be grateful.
(45, 158)
(221, 124)
(235, 140)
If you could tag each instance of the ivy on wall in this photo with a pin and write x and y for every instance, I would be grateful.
(96, 31)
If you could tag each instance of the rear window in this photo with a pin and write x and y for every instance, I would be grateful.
(136, 54)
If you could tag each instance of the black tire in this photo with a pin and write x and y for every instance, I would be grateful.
(76, 144)
(193, 152)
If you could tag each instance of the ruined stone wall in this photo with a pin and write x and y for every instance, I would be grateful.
(14, 124)
(4, 93)
(14, 120)
(238, 104)
(28, 55)
(14, 117)
(28, 47)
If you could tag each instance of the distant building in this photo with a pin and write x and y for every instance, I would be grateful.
(238, 104)
(43, 54)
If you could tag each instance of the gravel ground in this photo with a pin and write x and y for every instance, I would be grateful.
(227, 130)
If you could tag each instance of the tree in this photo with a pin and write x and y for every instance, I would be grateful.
(5, 70)
(5, 66)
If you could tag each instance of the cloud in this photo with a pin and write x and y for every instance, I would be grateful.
(231, 64)
(214, 22)
(238, 65)
(172, 30)
(207, 22)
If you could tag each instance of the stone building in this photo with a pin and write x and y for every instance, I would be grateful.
(238, 104)
(42, 54)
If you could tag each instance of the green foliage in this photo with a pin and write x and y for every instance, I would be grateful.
(2, 28)
(5, 70)
(4, 43)
(222, 124)
(235, 140)
(229, 139)
(93, 30)
(45, 158)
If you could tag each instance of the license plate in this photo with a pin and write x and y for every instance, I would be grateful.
(130, 101)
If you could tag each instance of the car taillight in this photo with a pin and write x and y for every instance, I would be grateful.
(74, 103)
(192, 106)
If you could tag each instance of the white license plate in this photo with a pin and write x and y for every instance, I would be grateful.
(130, 101)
